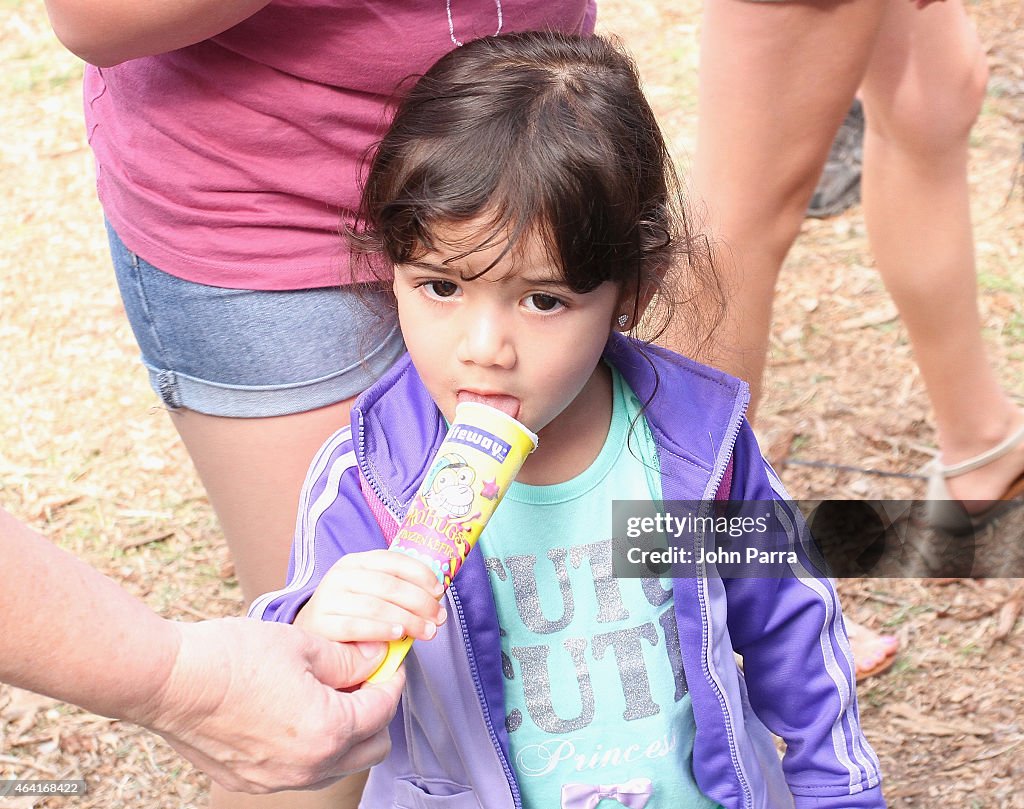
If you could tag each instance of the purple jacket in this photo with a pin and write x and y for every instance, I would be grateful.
(449, 744)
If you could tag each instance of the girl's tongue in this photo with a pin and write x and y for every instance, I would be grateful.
(509, 405)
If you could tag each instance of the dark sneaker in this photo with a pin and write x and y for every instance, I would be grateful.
(839, 186)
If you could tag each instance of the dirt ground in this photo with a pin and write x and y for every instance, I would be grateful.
(87, 456)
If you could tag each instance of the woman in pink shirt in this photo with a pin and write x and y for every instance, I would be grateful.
(228, 138)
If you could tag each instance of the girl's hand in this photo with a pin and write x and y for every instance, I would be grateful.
(375, 596)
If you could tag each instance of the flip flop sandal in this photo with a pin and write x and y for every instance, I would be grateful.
(881, 667)
(946, 514)
(883, 651)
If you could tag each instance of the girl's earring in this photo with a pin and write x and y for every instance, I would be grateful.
(622, 321)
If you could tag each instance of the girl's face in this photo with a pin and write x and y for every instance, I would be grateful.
(515, 338)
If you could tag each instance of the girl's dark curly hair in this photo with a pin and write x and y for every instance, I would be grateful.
(545, 133)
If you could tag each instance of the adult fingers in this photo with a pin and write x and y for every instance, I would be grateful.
(372, 706)
(343, 665)
(361, 732)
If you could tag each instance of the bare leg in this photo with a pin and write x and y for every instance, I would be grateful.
(758, 161)
(922, 92)
(253, 471)
(776, 80)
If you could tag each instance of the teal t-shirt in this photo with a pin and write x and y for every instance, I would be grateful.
(595, 692)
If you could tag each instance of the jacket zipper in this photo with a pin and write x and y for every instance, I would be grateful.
(478, 685)
(748, 798)
(388, 502)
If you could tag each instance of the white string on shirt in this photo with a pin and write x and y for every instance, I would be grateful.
(451, 23)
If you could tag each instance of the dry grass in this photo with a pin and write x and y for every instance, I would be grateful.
(87, 456)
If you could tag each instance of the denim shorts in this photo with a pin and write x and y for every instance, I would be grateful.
(248, 354)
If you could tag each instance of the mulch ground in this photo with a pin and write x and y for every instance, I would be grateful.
(88, 457)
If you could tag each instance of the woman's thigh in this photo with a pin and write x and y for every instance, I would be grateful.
(776, 79)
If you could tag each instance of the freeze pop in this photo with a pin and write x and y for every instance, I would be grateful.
(473, 468)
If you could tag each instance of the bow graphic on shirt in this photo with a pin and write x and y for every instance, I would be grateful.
(632, 794)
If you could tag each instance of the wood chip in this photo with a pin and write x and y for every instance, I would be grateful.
(139, 542)
(878, 317)
(919, 722)
(1008, 615)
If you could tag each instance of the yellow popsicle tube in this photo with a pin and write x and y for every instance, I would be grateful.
(473, 468)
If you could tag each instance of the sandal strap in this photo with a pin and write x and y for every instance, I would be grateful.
(984, 458)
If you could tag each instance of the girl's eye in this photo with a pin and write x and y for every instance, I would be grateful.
(440, 289)
(538, 302)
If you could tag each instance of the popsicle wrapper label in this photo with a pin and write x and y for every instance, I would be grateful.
(473, 468)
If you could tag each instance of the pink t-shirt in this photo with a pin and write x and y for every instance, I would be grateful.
(231, 162)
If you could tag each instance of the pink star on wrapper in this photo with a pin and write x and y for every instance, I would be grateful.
(489, 490)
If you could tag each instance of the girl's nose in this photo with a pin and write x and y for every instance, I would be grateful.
(487, 340)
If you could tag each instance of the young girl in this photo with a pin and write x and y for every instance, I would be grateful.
(523, 204)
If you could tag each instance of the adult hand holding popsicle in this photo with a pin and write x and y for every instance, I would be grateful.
(473, 468)
(394, 594)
